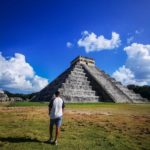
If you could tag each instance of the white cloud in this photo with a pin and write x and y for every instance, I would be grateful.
(92, 42)
(138, 62)
(69, 44)
(126, 76)
(17, 75)
(130, 39)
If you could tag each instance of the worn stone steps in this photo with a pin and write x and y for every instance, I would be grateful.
(77, 66)
(77, 82)
(74, 72)
(77, 86)
(78, 69)
(133, 96)
(116, 94)
(78, 76)
(77, 91)
(76, 79)
(114, 88)
(80, 99)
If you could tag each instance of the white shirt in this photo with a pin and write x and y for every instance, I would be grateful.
(56, 105)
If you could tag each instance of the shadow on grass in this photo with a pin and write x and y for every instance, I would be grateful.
(19, 140)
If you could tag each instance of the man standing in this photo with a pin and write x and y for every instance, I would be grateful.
(56, 107)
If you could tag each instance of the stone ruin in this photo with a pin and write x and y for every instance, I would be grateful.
(84, 82)
(4, 97)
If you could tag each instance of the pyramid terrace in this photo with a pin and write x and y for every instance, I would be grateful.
(84, 82)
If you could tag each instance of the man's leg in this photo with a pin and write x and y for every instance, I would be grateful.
(51, 129)
(57, 133)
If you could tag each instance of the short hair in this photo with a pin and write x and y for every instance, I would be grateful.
(57, 93)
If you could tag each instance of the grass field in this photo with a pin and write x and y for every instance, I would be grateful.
(24, 126)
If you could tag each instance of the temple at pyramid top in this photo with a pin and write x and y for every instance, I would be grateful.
(83, 81)
(83, 60)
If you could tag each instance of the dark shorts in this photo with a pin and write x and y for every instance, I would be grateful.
(56, 121)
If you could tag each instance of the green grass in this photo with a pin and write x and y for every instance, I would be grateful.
(19, 104)
(70, 105)
(25, 103)
(85, 126)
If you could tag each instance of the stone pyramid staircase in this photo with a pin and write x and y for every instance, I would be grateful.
(73, 86)
(76, 87)
(116, 91)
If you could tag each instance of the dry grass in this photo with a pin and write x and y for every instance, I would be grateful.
(103, 127)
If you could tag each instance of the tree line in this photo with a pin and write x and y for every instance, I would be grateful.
(144, 91)
(23, 96)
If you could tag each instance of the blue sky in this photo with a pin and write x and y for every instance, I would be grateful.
(40, 29)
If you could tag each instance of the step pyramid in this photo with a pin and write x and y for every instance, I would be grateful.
(84, 82)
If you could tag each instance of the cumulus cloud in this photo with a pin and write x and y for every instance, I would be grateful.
(126, 76)
(17, 75)
(92, 42)
(69, 44)
(139, 60)
(137, 63)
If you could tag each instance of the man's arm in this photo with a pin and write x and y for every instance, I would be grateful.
(49, 110)
(50, 106)
(63, 106)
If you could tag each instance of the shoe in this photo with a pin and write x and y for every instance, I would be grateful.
(55, 143)
(50, 141)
